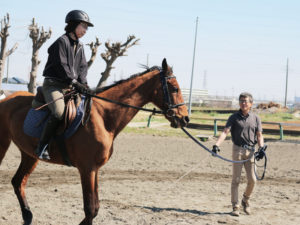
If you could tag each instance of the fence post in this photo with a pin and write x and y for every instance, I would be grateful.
(215, 127)
(149, 120)
(281, 131)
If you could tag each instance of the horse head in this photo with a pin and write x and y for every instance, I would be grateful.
(169, 98)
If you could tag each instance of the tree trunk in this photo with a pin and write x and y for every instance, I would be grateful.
(39, 37)
(94, 49)
(105, 74)
(1, 73)
(3, 54)
(34, 68)
(4, 35)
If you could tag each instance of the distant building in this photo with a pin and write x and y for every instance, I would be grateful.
(14, 80)
(14, 84)
(297, 99)
(202, 98)
(197, 95)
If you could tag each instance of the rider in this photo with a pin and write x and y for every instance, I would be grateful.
(246, 131)
(66, 67)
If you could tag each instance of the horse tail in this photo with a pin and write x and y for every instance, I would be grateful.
(5, 136)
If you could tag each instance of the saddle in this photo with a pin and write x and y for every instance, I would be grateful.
(72, 101)
(77, 111)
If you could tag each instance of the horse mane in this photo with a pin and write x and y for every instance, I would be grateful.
(99, 90)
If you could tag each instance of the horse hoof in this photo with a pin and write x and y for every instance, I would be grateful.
(27, 217)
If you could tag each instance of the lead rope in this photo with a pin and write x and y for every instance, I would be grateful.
(215, 154)
(265, 166)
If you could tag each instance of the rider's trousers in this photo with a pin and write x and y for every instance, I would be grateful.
(52, 91)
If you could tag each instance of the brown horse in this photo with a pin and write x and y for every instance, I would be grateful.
(92, 145)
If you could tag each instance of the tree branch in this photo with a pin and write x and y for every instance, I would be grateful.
(9, 52)
(94, 49)
(113, 51)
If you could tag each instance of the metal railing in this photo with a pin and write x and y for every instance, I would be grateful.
(265, 130)
(280, 124)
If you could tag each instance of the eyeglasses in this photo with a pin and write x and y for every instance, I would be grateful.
(84, 25)
(244, 101)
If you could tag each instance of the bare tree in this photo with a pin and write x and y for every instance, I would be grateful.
(113, 51)
(3, 53)
(94, 49)
(38, 39)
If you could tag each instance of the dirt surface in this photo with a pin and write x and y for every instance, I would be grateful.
(139, 185)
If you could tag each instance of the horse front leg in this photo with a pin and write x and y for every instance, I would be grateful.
(88, 183)
(19, 181)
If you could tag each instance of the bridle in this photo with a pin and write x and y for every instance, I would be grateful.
(169, 112)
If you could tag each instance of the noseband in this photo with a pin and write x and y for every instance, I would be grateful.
(169, 112)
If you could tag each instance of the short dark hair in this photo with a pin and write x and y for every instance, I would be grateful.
(71, 26)
(246, 95)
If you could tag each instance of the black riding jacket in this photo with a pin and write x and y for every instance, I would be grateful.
(63, 64)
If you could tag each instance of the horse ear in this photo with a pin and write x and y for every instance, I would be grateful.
(164, 65)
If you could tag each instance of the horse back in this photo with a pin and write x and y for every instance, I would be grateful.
(14, 108)
(15, 102)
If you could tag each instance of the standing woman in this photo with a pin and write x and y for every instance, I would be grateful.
(66, 67)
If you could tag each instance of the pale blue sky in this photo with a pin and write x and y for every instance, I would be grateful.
(242, 44)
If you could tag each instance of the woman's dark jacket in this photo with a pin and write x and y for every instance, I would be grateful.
(62, 64)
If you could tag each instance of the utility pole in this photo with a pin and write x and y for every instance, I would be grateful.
(191, 86)
(147, 60)
(204, 80)
(286, 81)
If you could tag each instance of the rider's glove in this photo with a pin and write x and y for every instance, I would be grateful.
(260, 153)
(81, 88)
(215, 149)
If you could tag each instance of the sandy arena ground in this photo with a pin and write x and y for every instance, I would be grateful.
(139, 186)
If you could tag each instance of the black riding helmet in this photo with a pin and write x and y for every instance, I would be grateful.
(78, 16)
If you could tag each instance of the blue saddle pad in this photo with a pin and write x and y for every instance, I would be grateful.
(36, 120)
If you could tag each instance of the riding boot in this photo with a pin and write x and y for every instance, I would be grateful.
(48, 132)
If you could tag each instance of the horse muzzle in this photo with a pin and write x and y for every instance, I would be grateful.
(177, 122)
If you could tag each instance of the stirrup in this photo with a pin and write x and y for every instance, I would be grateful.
(44, 153)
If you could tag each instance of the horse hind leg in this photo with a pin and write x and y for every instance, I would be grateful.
(19, 181)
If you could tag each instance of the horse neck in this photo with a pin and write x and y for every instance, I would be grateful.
(137, 92)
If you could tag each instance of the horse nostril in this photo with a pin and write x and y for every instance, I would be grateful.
(186, 119)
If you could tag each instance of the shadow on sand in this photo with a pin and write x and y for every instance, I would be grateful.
(191, 211)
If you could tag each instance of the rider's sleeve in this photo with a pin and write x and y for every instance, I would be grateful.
(83, 69)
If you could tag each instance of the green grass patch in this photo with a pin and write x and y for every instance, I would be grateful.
(201, 118)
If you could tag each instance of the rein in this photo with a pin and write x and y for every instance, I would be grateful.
(168, 112)
(127, 105)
